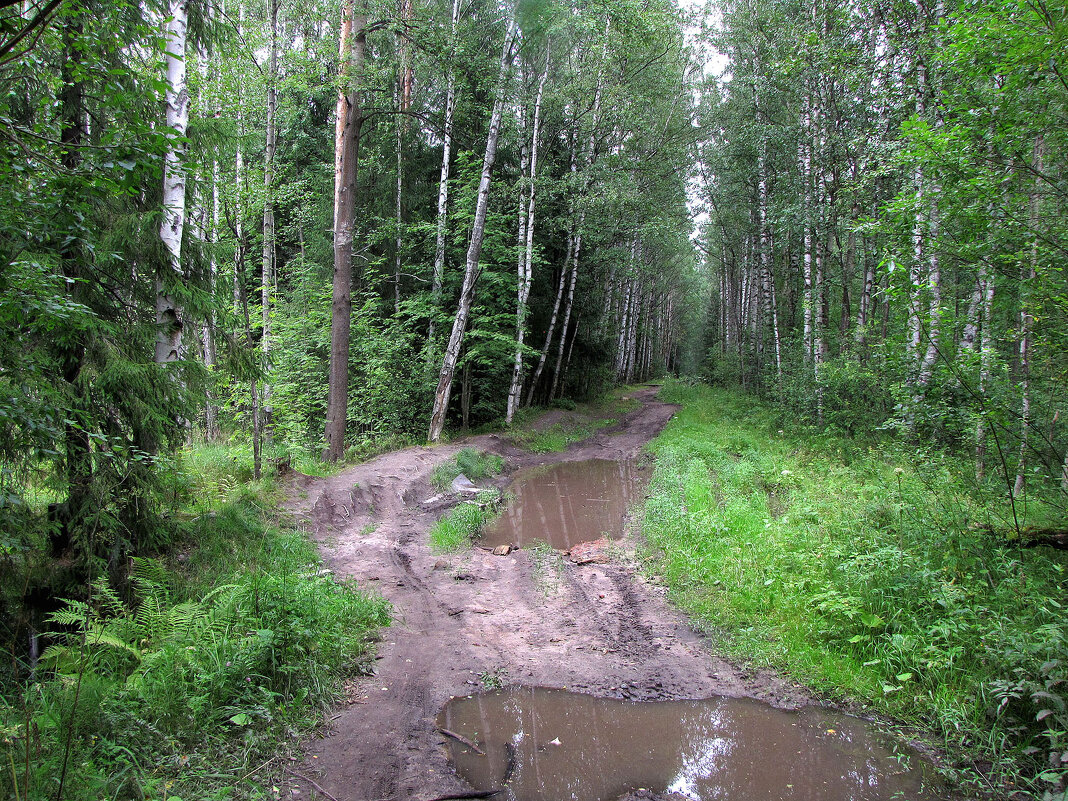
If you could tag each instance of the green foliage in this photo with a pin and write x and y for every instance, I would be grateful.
(203, 671)
(462, 524)
(470, 462)
(864, 571)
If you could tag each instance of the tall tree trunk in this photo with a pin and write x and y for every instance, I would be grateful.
(526, 257)
(567, 311)
(77, 459)
(398, 208)
(864, 305)
(352, 49)
(805, 158)
(1028, 273)
(560, 284)
(168, 314)
(211, 410)
(986, 358)
(915, 322)
(443, 188)
(766, 277)
(267, 275)
(474, 248)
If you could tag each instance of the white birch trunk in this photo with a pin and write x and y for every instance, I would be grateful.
(526, 258)
(474, 248)
(168, 314)
(1028, 275)
(268, 264)
(443, 190)
(806, 256)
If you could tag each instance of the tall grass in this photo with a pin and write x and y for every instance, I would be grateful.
(870, 572)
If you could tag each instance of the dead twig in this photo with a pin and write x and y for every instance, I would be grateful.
(472, 794)
(314, 784)
(461, 739)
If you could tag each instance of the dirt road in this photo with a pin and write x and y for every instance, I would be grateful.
(472, 617)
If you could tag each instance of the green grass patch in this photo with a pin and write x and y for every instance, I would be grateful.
(866, 571)
(189, 679)
(472, 463)
(580, 421)
(461, 524)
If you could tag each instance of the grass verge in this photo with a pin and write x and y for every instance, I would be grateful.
(193, 679)
(578, 422)
(470, 462)
(460, 525)
(866, 572)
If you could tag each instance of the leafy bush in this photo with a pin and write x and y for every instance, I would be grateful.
(185, 686)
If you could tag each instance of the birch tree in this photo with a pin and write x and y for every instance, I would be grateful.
(474, 247)
(169, 346)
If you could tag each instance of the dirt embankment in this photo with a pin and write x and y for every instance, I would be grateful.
(465, 618)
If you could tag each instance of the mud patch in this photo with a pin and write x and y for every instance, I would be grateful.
(568, 503)
(543, 745)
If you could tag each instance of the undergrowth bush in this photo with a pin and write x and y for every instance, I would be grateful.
(186, 681)
(868, 572)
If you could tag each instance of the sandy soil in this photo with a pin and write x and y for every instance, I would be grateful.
(597, 628)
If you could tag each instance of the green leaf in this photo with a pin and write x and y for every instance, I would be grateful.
(241, 719)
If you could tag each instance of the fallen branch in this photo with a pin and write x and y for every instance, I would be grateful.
(461, 739)
(472, 794)
(303, 778)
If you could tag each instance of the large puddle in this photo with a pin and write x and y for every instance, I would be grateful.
(552, 745)
(567, 503)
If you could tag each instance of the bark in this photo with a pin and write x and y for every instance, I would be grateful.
(398, 209)
(567, 311)
(443, 193)
(986, 358)
(805, 157)
(352, 50)
(918, 237)
(474, 248)
(268, 208)
(1028, 273)
(77, 465)
(239, 181)
(526, 256)
(168, 314)
(766, 277)
(560, 284)
(864, 304)
(211, 411)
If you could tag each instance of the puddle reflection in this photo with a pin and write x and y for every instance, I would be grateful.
(567, 503)
(551, 745)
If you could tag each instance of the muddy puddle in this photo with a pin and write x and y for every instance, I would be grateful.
(552, 745)
(567, 503)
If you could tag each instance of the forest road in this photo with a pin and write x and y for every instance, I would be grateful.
(463, 618)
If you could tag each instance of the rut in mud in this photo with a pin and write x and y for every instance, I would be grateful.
(462, 619)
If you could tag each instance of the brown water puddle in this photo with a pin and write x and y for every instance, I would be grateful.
(567, 503)
(552, 745)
